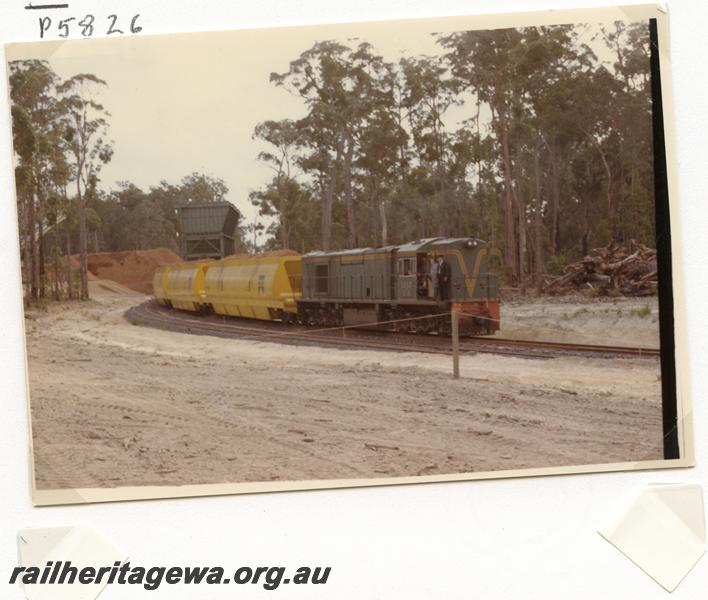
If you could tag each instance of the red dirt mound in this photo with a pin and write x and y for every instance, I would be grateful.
(132, 268)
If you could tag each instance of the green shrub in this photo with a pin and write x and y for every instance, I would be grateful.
(642, 312)
(591, 292)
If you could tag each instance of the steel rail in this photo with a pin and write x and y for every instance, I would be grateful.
(154, 315)
(571, 346)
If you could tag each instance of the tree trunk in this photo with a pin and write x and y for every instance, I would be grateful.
(443, 207)
(284, 232)
(348, 192)
(284, 225)
(608, 191)
(83, 262)
(587, 229)
(31, 247)
(510, 238)
(39, 217)
(41, 271)
(537, 222)
(327, 202)
(485, 217)
(585, 242)
(384, 223)
(372, 234)
(521, 223)
(555, 200)
(56, 245)
(328, 199)
(608, 194)
(69, 284)
(403, 192)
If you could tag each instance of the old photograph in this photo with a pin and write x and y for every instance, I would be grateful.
(350, 254)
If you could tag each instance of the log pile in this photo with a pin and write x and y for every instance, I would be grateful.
(614, 270)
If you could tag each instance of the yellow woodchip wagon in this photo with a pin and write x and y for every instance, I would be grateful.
(254, 287)
(159, 284)
(185, 285)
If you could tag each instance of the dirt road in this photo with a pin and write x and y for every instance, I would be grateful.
(114, 404)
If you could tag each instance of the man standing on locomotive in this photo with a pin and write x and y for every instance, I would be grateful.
(433, 277)
(443, 279)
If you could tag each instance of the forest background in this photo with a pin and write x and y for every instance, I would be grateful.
(553, 155)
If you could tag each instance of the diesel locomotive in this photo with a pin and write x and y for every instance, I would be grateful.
(395, 287)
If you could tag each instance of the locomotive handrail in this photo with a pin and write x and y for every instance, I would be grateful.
(419, 274)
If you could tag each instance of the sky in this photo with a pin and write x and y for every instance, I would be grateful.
(189, 102)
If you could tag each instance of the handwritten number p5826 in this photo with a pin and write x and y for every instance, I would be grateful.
(87, 24)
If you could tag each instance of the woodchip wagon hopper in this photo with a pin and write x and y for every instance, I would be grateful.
(254, 287)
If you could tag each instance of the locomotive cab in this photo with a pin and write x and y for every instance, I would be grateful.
(413, 277)
(407, 277)
(468, 282)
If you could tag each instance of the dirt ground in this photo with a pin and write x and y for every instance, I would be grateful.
(114, 404)
(603, 321)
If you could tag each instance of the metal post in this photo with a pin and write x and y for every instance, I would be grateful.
(455, 316)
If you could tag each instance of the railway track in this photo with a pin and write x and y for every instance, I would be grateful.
(152, 314)
(578, 348)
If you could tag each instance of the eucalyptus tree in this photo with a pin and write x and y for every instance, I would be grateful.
(472, 208)
(85, 126)
(33, 93)
(485, 63)
(631, 161)
(378, 177)
(429, 93)
(554, 153)
(317, 77)
(30, 86)
(557, 113)
(516, 73)
(382, 145)
(281, 196)
(201, 188)
(24, 144)
(387, 157)
(334, 82)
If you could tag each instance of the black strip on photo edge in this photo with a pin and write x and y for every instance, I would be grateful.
(669, 399)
